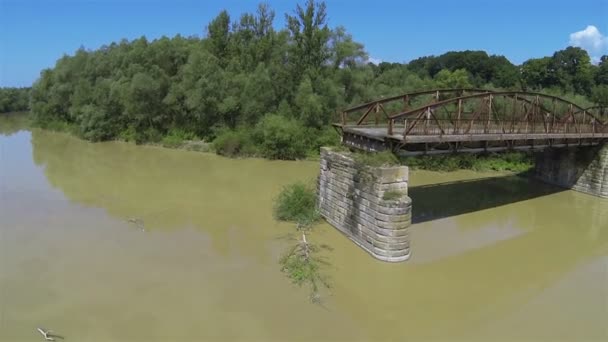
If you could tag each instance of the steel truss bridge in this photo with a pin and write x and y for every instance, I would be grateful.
(470, 120)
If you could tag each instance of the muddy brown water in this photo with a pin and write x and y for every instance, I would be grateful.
(494, 257)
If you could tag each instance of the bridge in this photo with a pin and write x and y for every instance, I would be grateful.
(470, 120)
(372, 205)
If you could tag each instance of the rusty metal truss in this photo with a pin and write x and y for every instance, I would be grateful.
(452, 119)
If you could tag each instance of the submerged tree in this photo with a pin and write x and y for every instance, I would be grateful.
(303, 265)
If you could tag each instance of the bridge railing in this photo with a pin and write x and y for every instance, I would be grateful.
(466, 126)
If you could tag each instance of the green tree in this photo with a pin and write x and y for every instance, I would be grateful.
(599, 95)
(456, 79)
(601, 75)
(218, 34)
(310, 35)
(537, 73)
(573, 69)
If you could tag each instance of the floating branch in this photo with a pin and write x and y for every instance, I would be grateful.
(303, 265)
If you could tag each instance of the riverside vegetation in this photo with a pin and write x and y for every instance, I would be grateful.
(303, 262)
(256, 90)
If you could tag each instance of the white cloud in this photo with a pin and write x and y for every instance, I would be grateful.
(592, 40)
(373, 60)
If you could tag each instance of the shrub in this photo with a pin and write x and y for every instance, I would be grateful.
(128, 134)
(509, 161)
(324, 137)
(233, 143)
(149, 134)
(278, 137)
(297, 202)
(176, 137)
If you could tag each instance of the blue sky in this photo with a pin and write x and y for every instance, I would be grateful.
(34, 34)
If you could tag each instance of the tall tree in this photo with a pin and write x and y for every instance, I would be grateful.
(310, 34)
(573, 69)
(218, 34)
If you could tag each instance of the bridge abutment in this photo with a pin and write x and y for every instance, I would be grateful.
(584, 169)
(368, 204)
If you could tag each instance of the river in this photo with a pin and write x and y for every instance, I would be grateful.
(494, 256)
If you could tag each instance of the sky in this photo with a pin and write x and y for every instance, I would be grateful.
(35, 33)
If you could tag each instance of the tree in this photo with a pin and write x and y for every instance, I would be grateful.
(345, 52)
(218, 36)
(14, 99)
(573, 69)
(309, 35)
(599, 95)
(457, 79)
(601, 76)
(310, 107)
(537, 73)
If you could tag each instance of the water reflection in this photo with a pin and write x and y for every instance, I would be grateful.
(168, 189)
(11, 123)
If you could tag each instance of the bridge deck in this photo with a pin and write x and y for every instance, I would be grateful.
(381, 134)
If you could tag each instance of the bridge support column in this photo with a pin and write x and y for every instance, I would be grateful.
(584, 169)
(368, 204)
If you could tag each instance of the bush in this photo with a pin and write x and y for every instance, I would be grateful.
(297, 202)
(150, 134)
(129, 134)
(510, 161)
(234, 143)
(327, 137)
(278, 137)
(176, 138)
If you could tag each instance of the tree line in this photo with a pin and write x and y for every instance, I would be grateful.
(259, 90)
(14, 99)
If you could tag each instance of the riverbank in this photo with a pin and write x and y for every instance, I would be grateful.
(274, 141)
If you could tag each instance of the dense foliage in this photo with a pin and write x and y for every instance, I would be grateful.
(14, 100)
(297, 202)
(510, 161)
(266, 91)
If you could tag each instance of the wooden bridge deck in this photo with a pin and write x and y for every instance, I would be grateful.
(377, 139)
(380, 133)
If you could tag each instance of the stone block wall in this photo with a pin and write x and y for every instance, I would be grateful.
(352, 199)
(584, 169)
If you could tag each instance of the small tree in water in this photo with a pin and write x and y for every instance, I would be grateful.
(302, 264)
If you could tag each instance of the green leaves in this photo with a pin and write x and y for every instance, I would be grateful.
(280, 138)
(14, 99)
(297, 203)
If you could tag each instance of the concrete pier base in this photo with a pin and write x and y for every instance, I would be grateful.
(368, 204)
(584, 169)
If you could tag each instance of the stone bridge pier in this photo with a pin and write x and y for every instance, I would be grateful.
(368, 204)
(584, 168)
